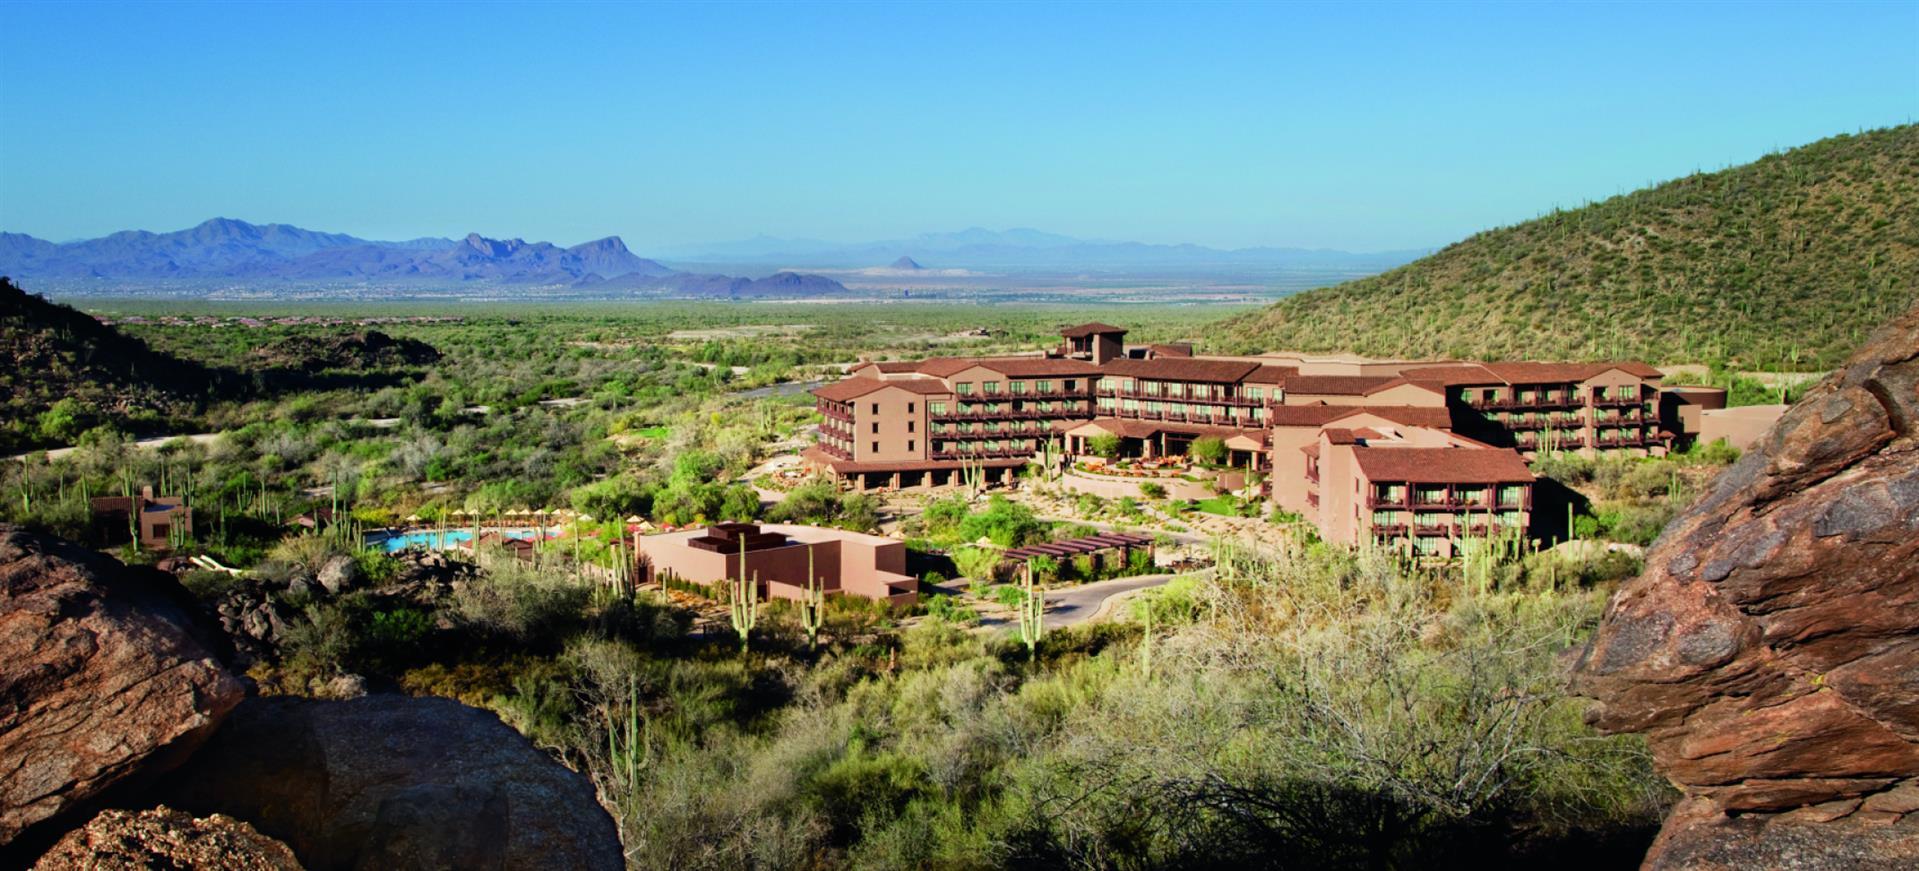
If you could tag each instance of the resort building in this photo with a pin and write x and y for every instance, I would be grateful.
(1417, 489)
(1468, 427)
(155, 518)
(847, 563)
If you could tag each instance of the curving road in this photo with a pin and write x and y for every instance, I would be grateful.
(1069, 606)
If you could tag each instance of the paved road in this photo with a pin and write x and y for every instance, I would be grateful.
(1074, 605)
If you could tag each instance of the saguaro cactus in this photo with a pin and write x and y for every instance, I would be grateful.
(743, 606)
(1032, 610)
(813, 604)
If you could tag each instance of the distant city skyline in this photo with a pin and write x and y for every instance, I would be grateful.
(1358, 128)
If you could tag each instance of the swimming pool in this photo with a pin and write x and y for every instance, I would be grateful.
(441, 539)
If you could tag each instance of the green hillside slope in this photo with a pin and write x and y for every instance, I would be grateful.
(1784, 263)
(62, 372)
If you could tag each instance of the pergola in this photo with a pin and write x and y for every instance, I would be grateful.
(1120, 543)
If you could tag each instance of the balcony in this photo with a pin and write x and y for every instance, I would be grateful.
(1617, 401)
(1378, 501)
(1010, 414)
(835, 411)
(1001, 454)
(1514, 402)
(1389, 529)
(834, 451)
(1241, 401)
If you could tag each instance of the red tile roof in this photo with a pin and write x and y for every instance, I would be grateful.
(1442, 465)
(1268, 373)
(1337, 385)
(1320, 415)
(853, 388)
(1092, 329)
(1183, 369)
(1011, 367)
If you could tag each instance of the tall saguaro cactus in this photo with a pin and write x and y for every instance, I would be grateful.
(1032, 610)
(813, 603)
(743, 606)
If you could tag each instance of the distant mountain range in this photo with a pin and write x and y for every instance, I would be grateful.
(224, 250)
(1028, 249)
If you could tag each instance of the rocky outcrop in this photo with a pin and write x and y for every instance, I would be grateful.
(1769, 650)
(118, 840)
(102, 673)
(256, 615)
(396, 782)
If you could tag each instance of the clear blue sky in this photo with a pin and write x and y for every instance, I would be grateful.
(1362, 127)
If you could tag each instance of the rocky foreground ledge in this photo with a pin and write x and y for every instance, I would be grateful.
(1770, 650)
(117, 697)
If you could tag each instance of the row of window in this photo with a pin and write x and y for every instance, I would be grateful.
(1046, 405)
(1183, 389)
(987, 426)
(1016, 388)
(1109, 405)
(1431, 519)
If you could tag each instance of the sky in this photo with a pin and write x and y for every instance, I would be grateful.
(1354, 126)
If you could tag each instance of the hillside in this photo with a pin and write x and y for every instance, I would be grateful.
(1787, 262)
(62, 372)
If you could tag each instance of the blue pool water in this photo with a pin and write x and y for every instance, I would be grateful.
(438, 539)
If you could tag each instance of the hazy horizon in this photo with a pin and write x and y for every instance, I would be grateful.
(1353, 129)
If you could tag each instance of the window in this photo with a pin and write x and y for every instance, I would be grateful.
(876, 408)
(909, 425)
(909, 445)
(990, 387)
(1385, 518)
(909, 408)
(936, 407)
(1017, 387)
(1256, 394)
(876, 447)
(1106, 403)
(1071, 385)
(1043, 386)
(963, 388)
(876, 427)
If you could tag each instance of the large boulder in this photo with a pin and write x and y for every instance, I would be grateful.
(1770, 650)
(164, 838)
(397, 782)
(103, 674)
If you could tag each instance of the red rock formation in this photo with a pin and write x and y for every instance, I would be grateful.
(102, 674)
(1770, 651)
(118, 840)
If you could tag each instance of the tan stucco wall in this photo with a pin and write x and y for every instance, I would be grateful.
(895, 419)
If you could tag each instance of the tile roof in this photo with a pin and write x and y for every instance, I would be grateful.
(1442, 465)
(853, 388)
(1268, 373)
(1183, 369)
(1338, 385)
(1091, 329)
(1436, 417)
(1011, 367)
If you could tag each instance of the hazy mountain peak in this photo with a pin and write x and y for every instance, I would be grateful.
(906, 262)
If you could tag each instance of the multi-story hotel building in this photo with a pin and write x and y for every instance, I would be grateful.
(1313, 425)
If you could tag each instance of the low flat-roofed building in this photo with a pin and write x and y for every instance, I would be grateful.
(846, 563)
